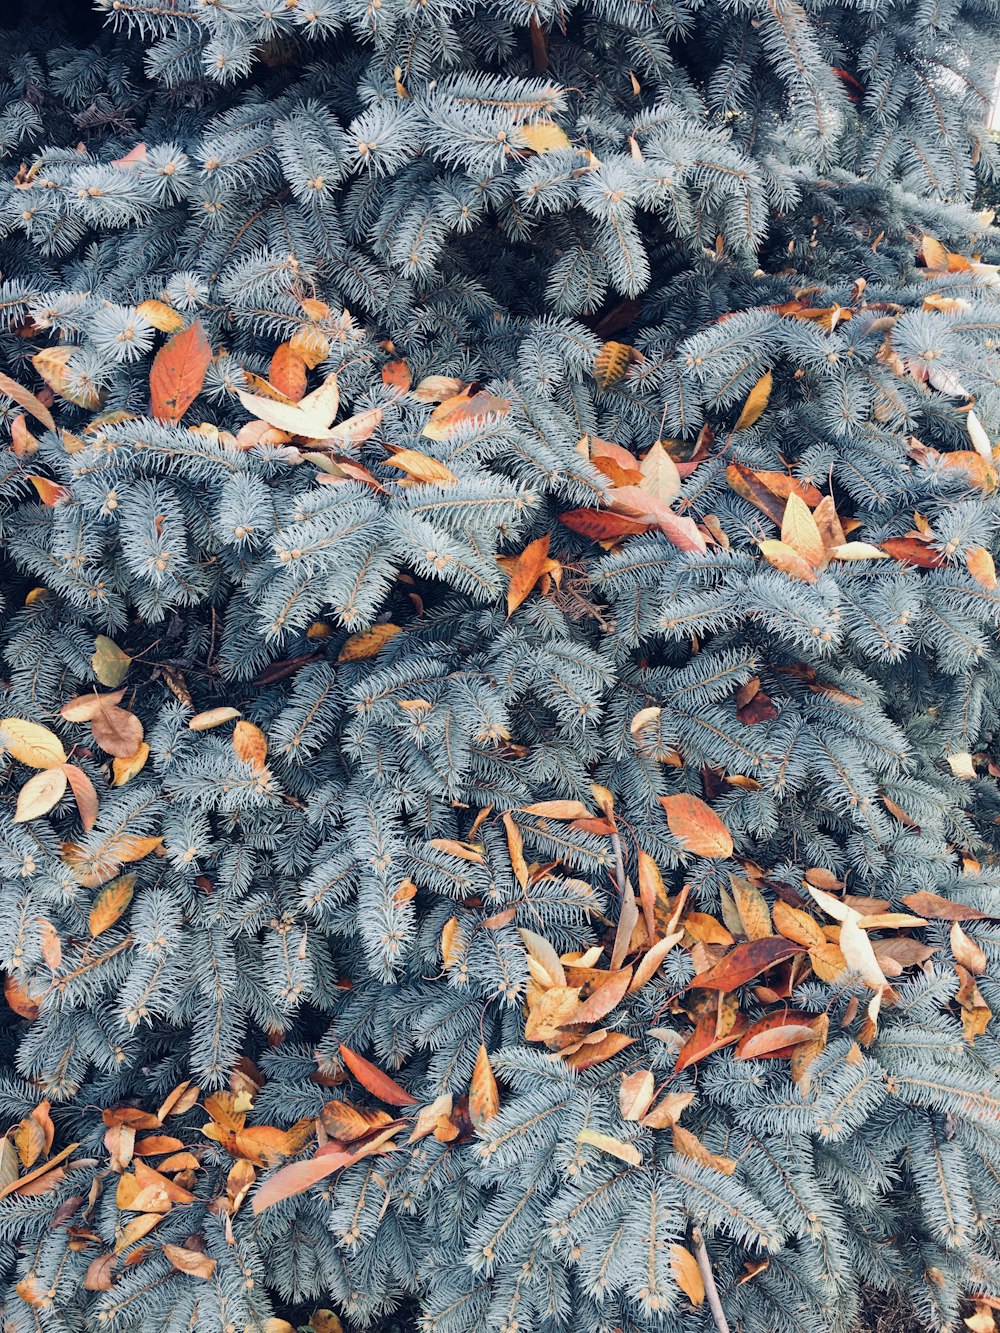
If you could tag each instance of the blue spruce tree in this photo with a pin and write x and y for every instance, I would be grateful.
(498, 795)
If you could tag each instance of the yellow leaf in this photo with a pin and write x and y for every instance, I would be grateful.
(135, 1229)
(687, 1274)
(128, 766)
(558, 810)
(787, 561)
(31, 744)
(756, 403)
(800, 532)
(625, 1152)
(966, 951)
(161, 316)
(421, 467)
(541, 136)
(109, 663)
(110, 903)
(933, 253)
(961, 764)
(689, 1145)
(52, 363)
(212, 717)
(659, 474)
(451, 943)
(797, 925)
(367, 643)
(643, 718)
(611, 363)
(39, 794)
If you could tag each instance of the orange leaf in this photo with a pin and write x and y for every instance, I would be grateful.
(687, 1274)
(84, 793)
(557, 810)
(515, 848)
(461, 410)
(484, 1099)
(943, 909)
(49, 492)
(192, 1262)
(697, 827)
(179, 372)
(786, 560)
(745, 962)
(421, 467)
(396, 374)
(299, 1176)
(288, 373)
(528, 568)
(110, 903)
(980, 565)
(250, 745)
(705, 1039)
(595, 1054)
(603, 1000)
(346, 1123)
(367, 643)
(376, 1080)
(773, 1035)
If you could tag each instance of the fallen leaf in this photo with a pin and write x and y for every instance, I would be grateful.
(786, 560)
(299, 1176)
(689, 1145)
(212, 717)
(686, 1273)
(484, 1098)
(602, 524)
(39, 794)
(109, 663)
(966, 951)
(528, 568)
(125, 767)
(773, 1034)
(937, 908)
(116, 731)
(162, 316)
(367, 643)
(421, 467)
(192, 1262)
(31, 744)
(84, 793)
(754, 406)
(287, 372)
(745, 962)
(462, 410)
(635, 1093)
(250, 745)
(376, 1080)
(49, 492)
(110, 903)
(697, 827)
(52, 363)
(625, 1152)
(800, 531)
(545, 958)
(979, 563)
(26, 399)
(178, 372)
(667, 1111)
(540, 136)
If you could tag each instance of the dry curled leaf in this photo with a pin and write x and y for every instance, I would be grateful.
(212, 717)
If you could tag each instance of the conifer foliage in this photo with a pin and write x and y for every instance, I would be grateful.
(498, 791)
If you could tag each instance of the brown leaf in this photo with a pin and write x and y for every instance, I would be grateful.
(705, 1039)
(17, 1186)
(484, 1098)
(979, 563)
(649, 963)
(602, 524)
(51, 944)
(651, 891)
(754, 406)
(913, 551)
(678, 529)
(752, 908)
(117, 731)
(943, 909)
(98, 1274)
(178, 372)
(178, 1100)
(528, 568)
(689, 1145)
(745, 962)
(18, 998)
(367, 643)
(976, 1013)
(110, 903)
(463, 850)
(515, 848)
(603, 1000)
(86, 706)
(29, 1140)
(748, 484)
(192, 1262)
(773, 1035)
(687, 1274)
(39, 794)
(376, 1080)
(696, 826)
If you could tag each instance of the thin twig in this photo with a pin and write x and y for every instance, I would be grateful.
(539, 47)
(620, 880)
(708, 1277)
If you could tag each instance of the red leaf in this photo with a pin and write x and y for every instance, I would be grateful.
(703, 1040)
(376, 1080)
(179, 372)
(745, 962)
(299, 1176)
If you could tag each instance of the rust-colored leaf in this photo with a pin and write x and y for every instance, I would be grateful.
(396, 375)
(84, 793)
(706, 1038)
(745, 962)
(528, 568)
(603, 1000)
(178, 372)
(18, 998)
(943, 909)
(49, 491)
(299, 1176)
(774, 1034)
(696, 826)
(193, 1262)
(979, 563)
(913, 551)
(250, 745)
(604, 1048)
(376, 1080)
(602, 524)
(461, 410)
(484, 1097)
(288, 372)
(557, 810)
